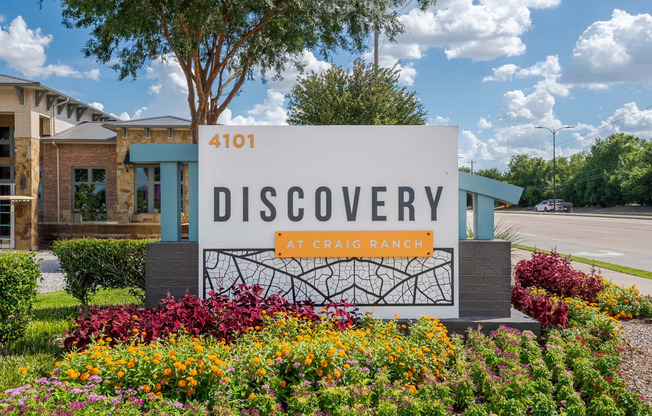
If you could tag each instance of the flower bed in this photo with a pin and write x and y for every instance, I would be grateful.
(283, 359)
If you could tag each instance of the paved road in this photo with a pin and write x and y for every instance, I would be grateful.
(622, 241)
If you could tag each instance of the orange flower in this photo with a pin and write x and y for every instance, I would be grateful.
(84, 376)
(167, 372)
(121, 374)
(182, 383)
(147, 388)
(261, 372)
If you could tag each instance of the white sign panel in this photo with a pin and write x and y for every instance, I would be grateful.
(256, 182)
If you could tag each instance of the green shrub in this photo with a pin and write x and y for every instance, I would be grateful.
(19, 272)
(93, 263)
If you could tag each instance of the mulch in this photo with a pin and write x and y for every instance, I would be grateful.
(636, 357)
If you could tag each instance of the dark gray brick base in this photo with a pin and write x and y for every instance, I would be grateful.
(485, 276)
(171, 267)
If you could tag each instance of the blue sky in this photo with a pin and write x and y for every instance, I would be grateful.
(496, 68)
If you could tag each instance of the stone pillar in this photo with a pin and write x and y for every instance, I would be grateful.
(27, 182)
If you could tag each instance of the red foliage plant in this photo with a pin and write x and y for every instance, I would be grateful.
(555, 274)
(541, 307)
(218, 315)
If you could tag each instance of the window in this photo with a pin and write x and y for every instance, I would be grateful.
(89, 193)
(6, 173)
(5, 212)
(6, 142)
(148, 189)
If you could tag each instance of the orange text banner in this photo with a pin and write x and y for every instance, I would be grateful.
(354, 243)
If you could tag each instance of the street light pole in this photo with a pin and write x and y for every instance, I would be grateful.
(554, 164)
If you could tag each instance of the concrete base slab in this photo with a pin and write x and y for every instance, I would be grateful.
(517, 320)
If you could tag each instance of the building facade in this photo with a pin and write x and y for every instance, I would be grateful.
(65, 168)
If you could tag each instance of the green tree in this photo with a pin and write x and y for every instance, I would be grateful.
(492, 173)
(218, 43)
(364, 96)
(599, 180)
(531, 174)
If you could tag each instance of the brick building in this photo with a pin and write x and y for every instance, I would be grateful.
(65, 168)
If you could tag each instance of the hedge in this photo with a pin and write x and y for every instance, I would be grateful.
(93, 263)
(19, 274)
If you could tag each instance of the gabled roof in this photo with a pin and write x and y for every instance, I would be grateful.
(152, 122)
(84, 132)
(9, 80)
(51, 97)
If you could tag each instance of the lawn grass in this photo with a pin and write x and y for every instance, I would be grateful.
(40, 347)
(604, 265)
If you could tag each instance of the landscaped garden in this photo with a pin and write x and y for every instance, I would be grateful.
(263, 356)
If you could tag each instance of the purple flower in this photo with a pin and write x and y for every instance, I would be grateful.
(95, 379)
(92, 398)
(177, 405)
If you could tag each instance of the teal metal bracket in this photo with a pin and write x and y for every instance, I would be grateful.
(170, 156)
(484, 192)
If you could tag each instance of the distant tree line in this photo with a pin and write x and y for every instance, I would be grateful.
(615, 171)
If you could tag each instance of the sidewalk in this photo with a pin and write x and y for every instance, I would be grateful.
(622, 279)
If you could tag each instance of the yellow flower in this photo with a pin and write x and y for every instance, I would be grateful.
(198, 348)
(252, 396)
(256, 360)
(23, 370)
(337, 373)
(84, 376)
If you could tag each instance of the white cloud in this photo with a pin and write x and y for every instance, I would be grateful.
(628, 119)
(613, 51)
(549, 69)
(534, 107)
(503, 73)
(440, 120)
(480, 30)
(97, 105)
(23, 49)
(483, 123)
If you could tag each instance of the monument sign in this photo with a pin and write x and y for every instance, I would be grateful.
(363, 213)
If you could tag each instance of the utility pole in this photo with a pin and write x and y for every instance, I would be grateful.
(554, 164)
(471, 165)
(376, 36)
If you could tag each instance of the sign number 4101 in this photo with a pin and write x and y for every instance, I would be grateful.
(237, 140)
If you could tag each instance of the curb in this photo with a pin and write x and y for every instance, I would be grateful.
(629, 217)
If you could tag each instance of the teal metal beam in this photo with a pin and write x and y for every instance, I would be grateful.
(483, 217)
(152, 153)
(193, 202)
(462, 214)
(170, 202)
(497, 190)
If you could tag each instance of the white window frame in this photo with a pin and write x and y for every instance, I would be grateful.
(151, 186)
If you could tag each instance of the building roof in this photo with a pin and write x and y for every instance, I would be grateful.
(54, 97)
(152, 122)
(9, 80)
(83, 132)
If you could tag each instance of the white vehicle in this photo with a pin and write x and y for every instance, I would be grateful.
(543, 206)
